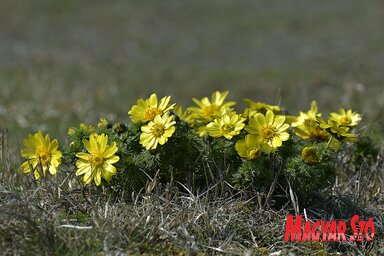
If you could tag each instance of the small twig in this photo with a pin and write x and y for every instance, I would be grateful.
(75, 227)
(295, 206)
(271, 189)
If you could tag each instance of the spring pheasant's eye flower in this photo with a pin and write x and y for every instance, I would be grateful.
(338, 132)
(249, 148)
(98, 161)
(255, 107)
(88, 128)
(310, 155)
(119, 127)
(208, 110)
(311, 130)
(270, 130)
(228, 125)
(147, 110)
(42, 155)
(186, 115)
(312, 114)
(103, 123)
(157, 131)
(345, 118)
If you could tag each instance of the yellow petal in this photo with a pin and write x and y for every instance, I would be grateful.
(52, 145)
(103, 141)
(113, 159)
(164, 103)
(83, 169)
(29, 142)
(259, 120)
(110, 168)
(269, 117)
(28, 153)
(83, 155)
(162, 140)
(106, 176)
(52, 170)
(284, 136)
(146, 129)
(88, 178)
(97, 178)
(93, 142)
(276, 142)
(25, 167)
(110, 150)
(36, 174)
(279, 121)
(283, 127)
(153, 100)
(87, 145)
(80, 163)
(198, 103)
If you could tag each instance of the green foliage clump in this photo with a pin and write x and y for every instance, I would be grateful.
(365, 150)
(256, 174)
(261, 150)
(308, 178)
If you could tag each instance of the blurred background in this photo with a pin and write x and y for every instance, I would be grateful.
(65, 62)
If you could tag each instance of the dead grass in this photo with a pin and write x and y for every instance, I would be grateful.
(59, 216)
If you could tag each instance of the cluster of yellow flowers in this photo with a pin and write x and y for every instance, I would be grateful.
(42, 154)
(264, 127)
(159, 126)
(311, 126)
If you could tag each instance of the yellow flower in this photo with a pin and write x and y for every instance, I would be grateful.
(311, 130)
(201, 131)
(119, 127)
(208, 110)
(146, 110)
(312, 114)
(310, 155)
(41, 153)
(255, 106)
(88, 128)
(345, 118)
(157, 131)
(228, 125)
(338, 132)
(98, 162)
(249, 148)
(249, 113)
(269, 129)
(103, 123)
(186, 116)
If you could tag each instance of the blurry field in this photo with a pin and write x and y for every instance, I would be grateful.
(65, 62)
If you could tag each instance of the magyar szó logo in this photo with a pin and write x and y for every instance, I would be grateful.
(327, 231)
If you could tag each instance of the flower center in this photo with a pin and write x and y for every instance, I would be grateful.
(151, 112)
(345, 120)
(316, 133)
(96, 159)
(158, 130)
(210, 110)
(227, 128)
(44, 156)
(267, 132)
